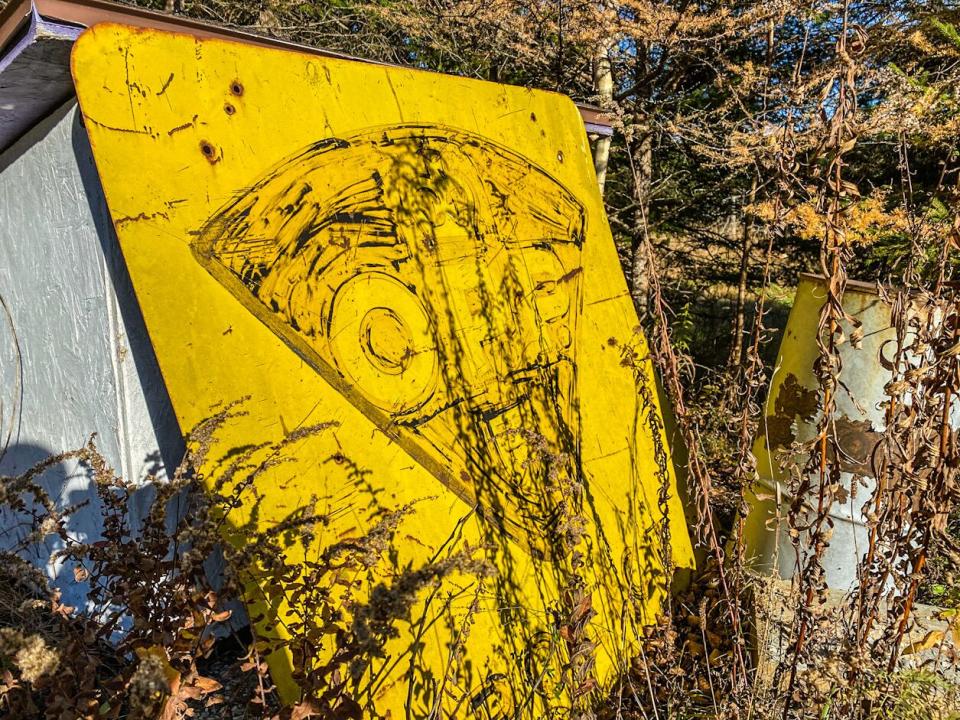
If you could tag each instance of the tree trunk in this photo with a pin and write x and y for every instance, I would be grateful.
(739, 319)
(642, 176)
(640, 139)
(603, 84)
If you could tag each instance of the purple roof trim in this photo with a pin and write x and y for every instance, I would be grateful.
(58, 28)
(598, 129)
(38, 26)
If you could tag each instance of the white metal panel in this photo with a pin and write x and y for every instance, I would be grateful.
(74, 355)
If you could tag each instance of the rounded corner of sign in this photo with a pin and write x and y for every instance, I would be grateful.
(77, 52)
(569, 109)
(82, 47)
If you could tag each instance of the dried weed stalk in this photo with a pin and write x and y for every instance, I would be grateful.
(153, 613)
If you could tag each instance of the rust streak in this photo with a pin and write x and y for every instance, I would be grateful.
(166, 84)
(87, 118)
(140, 217)
(186, 125)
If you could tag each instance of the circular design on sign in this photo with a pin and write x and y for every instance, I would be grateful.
(386, 340)
(382, 341)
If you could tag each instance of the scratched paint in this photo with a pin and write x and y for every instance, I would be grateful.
(423, 260)
(433, 278)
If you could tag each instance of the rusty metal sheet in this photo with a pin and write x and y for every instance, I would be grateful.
(791, 423)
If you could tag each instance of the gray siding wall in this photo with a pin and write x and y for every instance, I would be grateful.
(74, 355)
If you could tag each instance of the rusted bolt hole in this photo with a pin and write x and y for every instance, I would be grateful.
(229, 109)
(236, 88)
(208, 150)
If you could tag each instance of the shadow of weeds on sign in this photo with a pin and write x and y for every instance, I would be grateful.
(144, 643)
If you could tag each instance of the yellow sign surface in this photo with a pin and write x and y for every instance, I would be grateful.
(423, 262)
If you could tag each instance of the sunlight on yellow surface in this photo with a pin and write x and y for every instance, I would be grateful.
(424, 261)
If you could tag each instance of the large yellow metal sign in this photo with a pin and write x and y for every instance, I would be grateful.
(423, 261)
